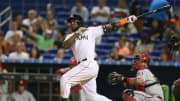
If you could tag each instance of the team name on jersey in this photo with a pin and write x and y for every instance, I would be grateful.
(82, 37)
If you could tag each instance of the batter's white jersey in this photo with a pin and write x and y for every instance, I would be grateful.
(84, 46)
(151, 93)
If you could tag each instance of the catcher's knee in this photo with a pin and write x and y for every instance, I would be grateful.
(128, 95)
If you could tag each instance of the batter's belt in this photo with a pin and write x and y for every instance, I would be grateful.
(85, 60)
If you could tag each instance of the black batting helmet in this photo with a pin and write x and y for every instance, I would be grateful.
(76, 17)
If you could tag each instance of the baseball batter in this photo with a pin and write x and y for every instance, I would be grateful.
(82, 43)
(145, 86)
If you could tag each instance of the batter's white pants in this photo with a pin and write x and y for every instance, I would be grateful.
(142, 96)
(84, 74)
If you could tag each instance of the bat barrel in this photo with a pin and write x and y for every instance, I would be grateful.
(155, 11)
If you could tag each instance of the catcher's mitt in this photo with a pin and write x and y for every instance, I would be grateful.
(114, 78)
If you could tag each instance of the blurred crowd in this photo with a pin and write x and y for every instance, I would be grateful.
(43, 33)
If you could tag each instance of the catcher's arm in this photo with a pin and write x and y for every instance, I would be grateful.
(133, 82)
(115, 78)
(114, 26)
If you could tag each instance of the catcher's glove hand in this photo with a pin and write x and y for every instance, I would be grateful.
(114, 78)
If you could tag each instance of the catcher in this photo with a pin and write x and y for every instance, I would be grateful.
(144, 87)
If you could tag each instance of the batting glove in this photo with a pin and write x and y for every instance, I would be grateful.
(131, 19)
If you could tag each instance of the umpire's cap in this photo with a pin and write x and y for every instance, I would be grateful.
(76, 17)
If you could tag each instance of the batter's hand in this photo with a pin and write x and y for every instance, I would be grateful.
(131, 19)
(81, 30)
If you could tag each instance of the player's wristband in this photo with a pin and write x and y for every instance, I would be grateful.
(123, 21)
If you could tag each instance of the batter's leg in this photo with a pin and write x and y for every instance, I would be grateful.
(80, 73)
(90, 92)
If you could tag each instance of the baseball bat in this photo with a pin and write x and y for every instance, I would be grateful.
(155, 11)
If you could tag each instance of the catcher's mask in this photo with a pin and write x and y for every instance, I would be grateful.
(139, 61)
(78, 18)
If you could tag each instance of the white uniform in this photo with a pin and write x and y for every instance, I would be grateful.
(25, 96)
(86, 72)
(151, 93)
(4, 91)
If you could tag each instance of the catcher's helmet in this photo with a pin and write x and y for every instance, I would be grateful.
(76, 17)
(138, 60)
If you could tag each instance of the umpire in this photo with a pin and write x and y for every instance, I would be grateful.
(177, 90)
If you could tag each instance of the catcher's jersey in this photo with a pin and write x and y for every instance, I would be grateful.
(84, 46)
(149, 78)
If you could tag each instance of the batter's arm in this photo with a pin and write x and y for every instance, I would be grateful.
(114, 26)
(69, 42)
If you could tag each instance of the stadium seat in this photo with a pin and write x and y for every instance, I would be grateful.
(29, 45)
(154, 53)
(48, 57)
(53, 51)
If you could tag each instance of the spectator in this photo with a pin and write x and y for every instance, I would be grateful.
(45, 42)
(35, 53)
(9, 35)
(172, 29)
(19, 54)
(58, 43)
(50, 19)
(15, 41)
(60, 55)
(145, 45)
(101, 12)
(121, 11)
(177, 55)
(115, 55)
(166, 50)
(31, 19)
(19, 20)
(3, 43)
(156, 30)
(51, 27)
(4, 84)
(163, 57)
(124, 38)
(81, 10)
(22, 94)
(28, 38)
(132, 48)
(2, 56)
(123, 50)
(177, 89)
